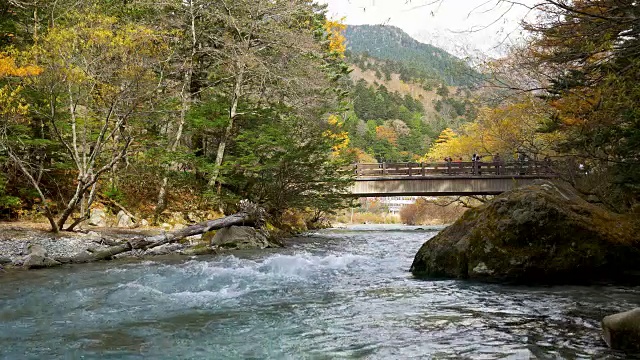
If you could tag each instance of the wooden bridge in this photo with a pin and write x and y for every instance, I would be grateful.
(446, 179)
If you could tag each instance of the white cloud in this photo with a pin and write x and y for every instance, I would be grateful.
(459, 26)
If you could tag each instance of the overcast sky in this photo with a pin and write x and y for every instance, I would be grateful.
(464, 27)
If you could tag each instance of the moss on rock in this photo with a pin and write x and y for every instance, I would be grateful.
(543, 233)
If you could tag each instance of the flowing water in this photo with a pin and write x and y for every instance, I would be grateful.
(335, 294)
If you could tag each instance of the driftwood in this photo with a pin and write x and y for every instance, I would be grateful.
(242, 218)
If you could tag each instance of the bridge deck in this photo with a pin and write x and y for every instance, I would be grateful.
(445, 179)
(454, 169)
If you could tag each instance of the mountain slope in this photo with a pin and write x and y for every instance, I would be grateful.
(415, 59)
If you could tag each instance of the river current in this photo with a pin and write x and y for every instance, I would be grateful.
(334, 294)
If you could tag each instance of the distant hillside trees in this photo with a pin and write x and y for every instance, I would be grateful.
(410, 58)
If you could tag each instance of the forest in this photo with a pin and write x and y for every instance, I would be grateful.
(182, 105)
(176, 105)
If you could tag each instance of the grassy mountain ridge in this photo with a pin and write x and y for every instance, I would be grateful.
(408, 56)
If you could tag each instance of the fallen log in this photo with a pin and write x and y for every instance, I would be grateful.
(149, 242)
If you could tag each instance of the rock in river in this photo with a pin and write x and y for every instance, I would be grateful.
(543, 233)
(240, 238)
(622, 331)
(37, 258)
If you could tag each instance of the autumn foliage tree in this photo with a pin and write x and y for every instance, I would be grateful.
(98, 73)
(507, 129)
(589, 50)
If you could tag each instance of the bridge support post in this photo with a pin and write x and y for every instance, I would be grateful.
(384, 168)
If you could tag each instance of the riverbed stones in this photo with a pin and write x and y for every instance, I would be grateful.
(98, 217)
(240, 238)
(622, 331)
(543, 233)
(5, 260)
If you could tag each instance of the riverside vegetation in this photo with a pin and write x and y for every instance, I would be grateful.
(184, 106)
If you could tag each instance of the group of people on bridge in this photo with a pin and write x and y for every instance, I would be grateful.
(495, 166)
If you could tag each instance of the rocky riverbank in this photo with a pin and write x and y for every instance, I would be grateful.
(30, 246)
(544, 233)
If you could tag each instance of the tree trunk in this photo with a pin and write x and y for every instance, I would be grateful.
(185, 96)
(233, 113)
(36, 186)
(186, 100)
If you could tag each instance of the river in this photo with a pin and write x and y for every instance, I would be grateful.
(334, 294)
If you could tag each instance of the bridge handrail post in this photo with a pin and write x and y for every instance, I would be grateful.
(423, 171)
(409, 165)
(384, 169)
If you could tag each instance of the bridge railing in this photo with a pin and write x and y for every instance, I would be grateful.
(478, 168)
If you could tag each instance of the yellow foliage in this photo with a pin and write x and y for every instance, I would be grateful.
(363, 157)
(341, 138)
(8, 68)
(503, 130)
(11, 103)
(337, 40)
(384, 132)
(98, 49)
(446, 135)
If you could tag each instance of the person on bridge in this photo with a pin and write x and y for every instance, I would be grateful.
(474, 159)
(448, 159)
(498, 161)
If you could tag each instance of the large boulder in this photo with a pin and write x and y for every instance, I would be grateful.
(98, 217)
(38, 262)
(543, 233)
(123, 220)
(622, 331)
(240, 238)
(37, 258)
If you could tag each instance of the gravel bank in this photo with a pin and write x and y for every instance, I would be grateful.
(15, 240)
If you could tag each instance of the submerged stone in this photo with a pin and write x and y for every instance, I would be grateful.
(543, 233)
